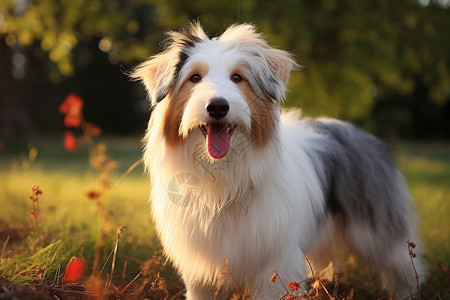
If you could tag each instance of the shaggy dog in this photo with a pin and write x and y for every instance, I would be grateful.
(234, 177)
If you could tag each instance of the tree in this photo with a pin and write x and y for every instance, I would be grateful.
(359, 57)
(374, 62)
(58, 40)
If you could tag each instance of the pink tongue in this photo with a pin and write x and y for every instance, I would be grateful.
(218, 140)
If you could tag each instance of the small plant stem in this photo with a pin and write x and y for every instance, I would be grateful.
(128, 171)
(232, 276)
(178, 294)
(124, 272)
(45, 268)
(411, 254)
(113, 265)
(36, 223)
(113, 253)
(101, 234)
(312, 272)
(106, 262)
(325, 289)
(131, 282)
(310, 267)
(336, 278)
(281, 281)
(58, 273)
(34, 213)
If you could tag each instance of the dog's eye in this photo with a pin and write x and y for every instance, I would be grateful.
(236, 78)
(195, 78)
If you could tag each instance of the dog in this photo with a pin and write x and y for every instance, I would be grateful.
(233, 176)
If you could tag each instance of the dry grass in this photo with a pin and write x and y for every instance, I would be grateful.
(80, 208)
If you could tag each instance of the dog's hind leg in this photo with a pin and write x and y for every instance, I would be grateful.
(391, 257)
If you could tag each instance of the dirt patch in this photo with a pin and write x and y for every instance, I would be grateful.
(9, 290)
(39, 291)
(14, 234)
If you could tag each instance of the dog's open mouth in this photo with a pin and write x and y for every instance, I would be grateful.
(218, 136)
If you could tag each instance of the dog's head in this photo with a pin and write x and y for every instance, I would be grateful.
(217, 88)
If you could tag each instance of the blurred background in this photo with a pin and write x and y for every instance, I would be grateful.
(383, 65)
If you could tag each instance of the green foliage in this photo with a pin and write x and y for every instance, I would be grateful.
(348, 96)
(21, 269)
(355, 53)
(57, 27)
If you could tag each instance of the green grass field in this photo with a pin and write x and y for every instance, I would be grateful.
(69, 222)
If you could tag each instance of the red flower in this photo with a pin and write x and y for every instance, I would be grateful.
(69, 141)
(72, 120)
(294, 285)
(71, 101)
(74, 270)
(72, 107)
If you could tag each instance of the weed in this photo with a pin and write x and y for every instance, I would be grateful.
(317, 290)
(239, 295)
(412, 255)
(34, 213)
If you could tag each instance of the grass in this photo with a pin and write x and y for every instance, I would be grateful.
(70, 223)
(427, 171)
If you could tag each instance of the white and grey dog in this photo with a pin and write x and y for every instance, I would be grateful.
(234, 177)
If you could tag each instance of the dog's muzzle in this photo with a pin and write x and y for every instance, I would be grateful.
(218, 133)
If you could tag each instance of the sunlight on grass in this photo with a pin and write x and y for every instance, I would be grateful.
(64, 202)
(66, 215)
(427, 172)
(70, 222)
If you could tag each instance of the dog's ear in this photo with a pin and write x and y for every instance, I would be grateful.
(160, 72)
(269, 68)
(281, 64)
(157, 74)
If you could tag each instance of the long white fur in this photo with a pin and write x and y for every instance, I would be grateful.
(261, 208)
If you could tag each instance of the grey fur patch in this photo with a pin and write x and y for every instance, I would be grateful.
(359, 174)
(184, 45)
(262, 81)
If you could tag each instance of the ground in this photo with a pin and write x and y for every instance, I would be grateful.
(85, 200)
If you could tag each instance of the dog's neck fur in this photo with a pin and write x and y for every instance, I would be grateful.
(227, 185)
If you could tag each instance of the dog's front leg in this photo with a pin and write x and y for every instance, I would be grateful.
(195, 292)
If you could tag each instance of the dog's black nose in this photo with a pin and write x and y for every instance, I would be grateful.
(218, 108)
